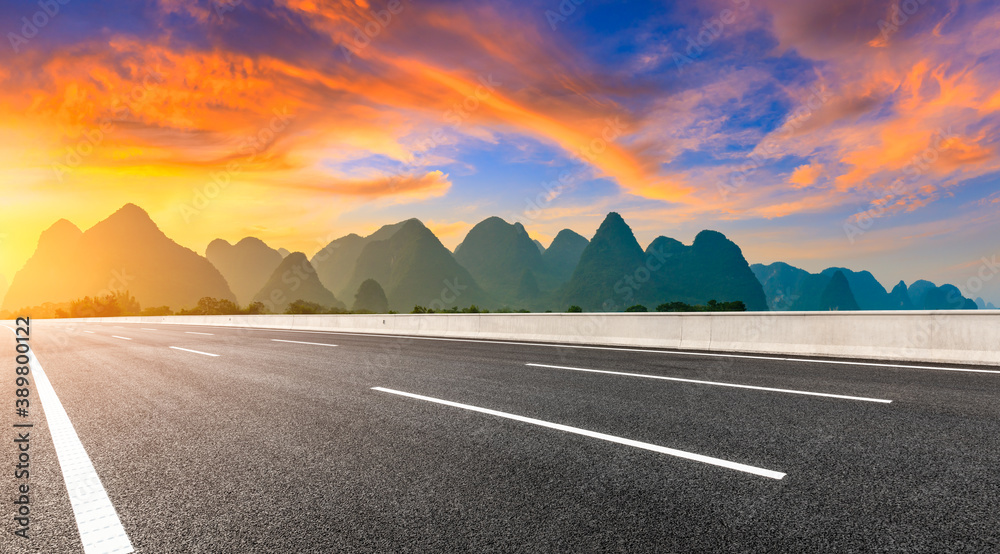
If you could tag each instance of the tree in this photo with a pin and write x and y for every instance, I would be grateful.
(636, 308)
(370, 298)
(304, 307)
(213, 306)
(574, 309)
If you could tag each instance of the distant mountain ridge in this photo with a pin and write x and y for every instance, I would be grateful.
(614, 272)
(335, 262)
(794, 289)
(500, 256)
(498, 265)
(246, 265)
(415, 269)
(126, 251)
(295, 279)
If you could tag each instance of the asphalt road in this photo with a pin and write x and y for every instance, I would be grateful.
(277, 446)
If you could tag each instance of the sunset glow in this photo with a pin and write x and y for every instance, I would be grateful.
(299, 121)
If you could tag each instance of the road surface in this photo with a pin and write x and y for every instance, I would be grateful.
(210, 439)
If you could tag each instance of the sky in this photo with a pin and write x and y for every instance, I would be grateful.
(860, 134)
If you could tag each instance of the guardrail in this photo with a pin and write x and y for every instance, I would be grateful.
(958, 336)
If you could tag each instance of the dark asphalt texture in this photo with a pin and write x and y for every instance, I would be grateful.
(283, 447)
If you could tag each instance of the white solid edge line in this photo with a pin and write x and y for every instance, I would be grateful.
(145, 329)
(194, 351)
(197, 333)
(123, 338)
(733, 385)
(91, 332)
(300, 342)
(101, 530)
(593, 434)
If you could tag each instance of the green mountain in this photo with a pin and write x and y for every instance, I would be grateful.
(497, 255)
(712, 268)
(370, 298)
(541, 247)
(247, 265)
(947, 297)
(899, 299)
(917, 291)
(785, 285)
(563, 255)
(295, 279)
(791, 288)
(598, 282)
(335, 262)
(837, 295)
(126, 251)
(869, 293)
(415, 269)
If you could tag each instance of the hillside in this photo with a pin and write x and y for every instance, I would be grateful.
(414, 268)
(126, 251)
(295, 279)
(247, 265)
(335, 262)
(497, 255)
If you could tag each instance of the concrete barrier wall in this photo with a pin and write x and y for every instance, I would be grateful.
(961, 337)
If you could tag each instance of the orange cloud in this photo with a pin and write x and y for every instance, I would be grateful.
(805, 175)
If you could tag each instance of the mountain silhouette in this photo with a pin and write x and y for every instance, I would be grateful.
(899, 299)
(497, 255)
(247, 265)
(563, 255)
(541, 247)
(791, 288)
(712, 268)
(126, 251)
(335, 262)
(414, 268)
(837, 295)
(869, 293)
(787, 286)
(295, 279)
(947, 297)
(598, 282)
(370, 298)
(917, 291)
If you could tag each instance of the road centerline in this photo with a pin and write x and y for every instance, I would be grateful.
(594, 434)
(716, 383)
(123, 338)
(194, 351)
